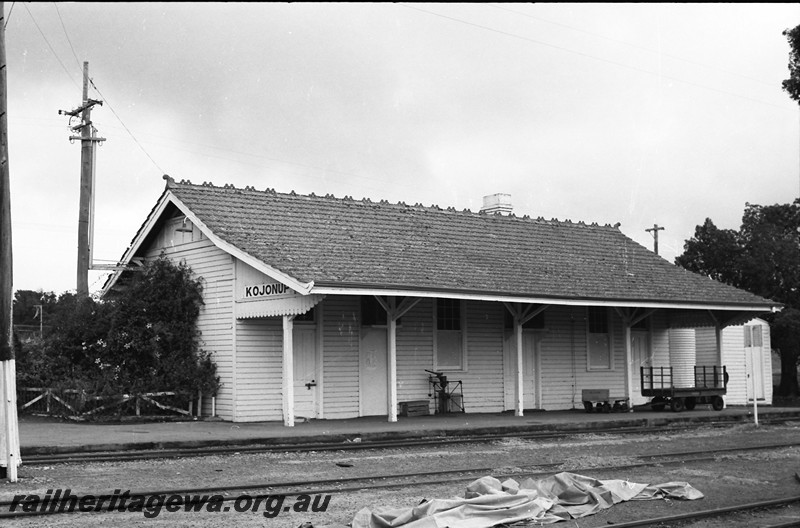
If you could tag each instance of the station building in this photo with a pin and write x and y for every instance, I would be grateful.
(319, 307)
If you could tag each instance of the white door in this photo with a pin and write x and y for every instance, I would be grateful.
(641, 356)
(529, 374)
(754, 366)
(304, 339)
(373, 372)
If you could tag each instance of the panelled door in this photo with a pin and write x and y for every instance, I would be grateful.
(305, 370)
(373, 372)
(754, 367)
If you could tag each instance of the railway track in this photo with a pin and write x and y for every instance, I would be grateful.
(775, 513)
(266, 489)
(157, 453)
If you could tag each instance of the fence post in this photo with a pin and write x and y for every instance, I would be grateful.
(48, 401)
(138, 406)
(199, 404)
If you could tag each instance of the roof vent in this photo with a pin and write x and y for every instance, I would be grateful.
(497, 203)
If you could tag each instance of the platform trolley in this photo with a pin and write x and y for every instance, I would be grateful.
(710, 385)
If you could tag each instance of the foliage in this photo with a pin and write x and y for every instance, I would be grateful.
(25, 307)
(144, 339)
(763, 257)
(792, 84)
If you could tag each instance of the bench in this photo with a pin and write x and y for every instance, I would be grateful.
(598, 400)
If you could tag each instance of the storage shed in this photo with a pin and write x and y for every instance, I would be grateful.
(324, 307)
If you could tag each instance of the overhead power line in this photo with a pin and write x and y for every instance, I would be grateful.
(51, 47)
(586, 55)
(8, 17)
(128, 130)
(636, 46)
(91, 81)
(77, 60)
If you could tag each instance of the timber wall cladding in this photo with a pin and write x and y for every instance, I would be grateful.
(563, 354)
(216, 315)
(564, 362)
(259, 369)
(341, 337)
(415, 353)
(484, 381)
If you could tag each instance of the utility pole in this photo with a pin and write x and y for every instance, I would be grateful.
(655, 229)
(9, 446)
(86, 207)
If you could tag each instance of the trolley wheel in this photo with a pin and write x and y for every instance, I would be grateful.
(617, 407)
(606, 408)
(677, 404)
(658, 403)
(599, 407)
(588, 406)
(717, 403)
(691, 402)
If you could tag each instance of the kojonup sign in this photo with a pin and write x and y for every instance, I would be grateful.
(266, 290)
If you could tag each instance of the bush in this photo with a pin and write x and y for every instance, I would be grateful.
(142, 339)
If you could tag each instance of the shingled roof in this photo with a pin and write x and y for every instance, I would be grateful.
(363, 245)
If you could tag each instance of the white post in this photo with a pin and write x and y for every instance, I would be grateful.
(392, 330)
(626, 323)
(288, 371)
(754, 381)
(11, 425)
(520, 365)
(720, 359)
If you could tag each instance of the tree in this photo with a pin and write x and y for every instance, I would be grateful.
(792, 84)
(32, 309)
(763, 257)
(714, 252)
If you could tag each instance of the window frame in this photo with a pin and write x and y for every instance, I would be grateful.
(593, 364)
(370, 302)
(462, 339)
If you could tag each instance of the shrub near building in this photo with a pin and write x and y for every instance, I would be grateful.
(143, 338)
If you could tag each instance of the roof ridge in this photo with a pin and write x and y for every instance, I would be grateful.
(433, 208)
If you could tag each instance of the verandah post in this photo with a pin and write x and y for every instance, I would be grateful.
(288, 371)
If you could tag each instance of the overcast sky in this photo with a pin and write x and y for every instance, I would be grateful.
(630, 113)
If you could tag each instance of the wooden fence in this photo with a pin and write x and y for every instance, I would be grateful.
(78, 404)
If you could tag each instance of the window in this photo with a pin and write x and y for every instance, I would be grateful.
(373, 314)
(178, 230)
(752, 336)
(598, 338)
(643, 324)
(450, 335)
(308, 317)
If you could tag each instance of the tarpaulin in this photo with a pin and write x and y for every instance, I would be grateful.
(488, 502)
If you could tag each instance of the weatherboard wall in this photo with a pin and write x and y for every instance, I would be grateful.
(215, 320)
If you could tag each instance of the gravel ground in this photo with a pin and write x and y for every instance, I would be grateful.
(725, 481)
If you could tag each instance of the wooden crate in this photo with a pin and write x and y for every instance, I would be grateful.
(414, 408)
(594, 395)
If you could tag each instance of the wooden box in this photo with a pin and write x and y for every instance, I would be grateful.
(414, 408)
(594, 395)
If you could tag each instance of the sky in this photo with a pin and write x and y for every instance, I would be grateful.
(640, 114)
